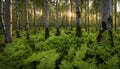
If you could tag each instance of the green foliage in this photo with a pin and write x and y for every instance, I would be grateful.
(47, 59)
(66, 65)
(112, 63)
(65, 51)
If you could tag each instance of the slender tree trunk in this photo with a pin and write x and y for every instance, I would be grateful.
(66, 24)
(115, 6)
(78, 24)
(27, 24)
(88, 17)
(119, 20)
(1, 25)
(71, 15)
(106, 20)
(40, 19)
(17, 20)
(34, 16)
(8, 21)
(97, 16)
(1, 16)
(57, 24)
(47, 21)
(85, 15)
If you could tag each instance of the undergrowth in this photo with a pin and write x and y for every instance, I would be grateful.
(61, 52)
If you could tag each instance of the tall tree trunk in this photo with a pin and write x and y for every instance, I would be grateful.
(1, 25)
(57, 24)
(40, 19)
(78, 24)
(17, 20)
(115, 6)
(27, 24)
(8, 21)
(71, 15)
(34, 16)
(66, 24)
(97, 16)
(85, 15)
(1, 16)
(106, 20)
(47, 21)
(119, 19)
(88, 17)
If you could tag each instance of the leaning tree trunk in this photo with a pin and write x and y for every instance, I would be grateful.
(1, 16)
(57, 24)
(106, 20)
(17, 20)
(47, 21)
(8, 21)
(78, 24)
(27, 24)
(34, 16)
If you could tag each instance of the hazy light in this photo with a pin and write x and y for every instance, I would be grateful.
(118, 6)
(70, 14)
(61, 14)
(37, 13)
(41, 13)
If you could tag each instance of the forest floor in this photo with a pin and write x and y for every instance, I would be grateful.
(61, 52)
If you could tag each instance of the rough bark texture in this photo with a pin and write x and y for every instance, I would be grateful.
(57, 22)
(47, 21)
(17, 20)
(27, 24)
(34, 16)
(8, 21)
(78, 24)
(106, 20)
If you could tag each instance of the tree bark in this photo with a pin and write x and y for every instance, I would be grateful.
(47, 21)
(106, 20)
(8, 21)
(115, 6)
(78, 24)
(66, 23)
(17, 20)
(34, 16)
(27, 24)
(88, 18)
(71, 15)
(85, 16)
(1, 16)
(97, 16)
(57, 22)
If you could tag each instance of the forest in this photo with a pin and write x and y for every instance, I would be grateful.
(59, 34)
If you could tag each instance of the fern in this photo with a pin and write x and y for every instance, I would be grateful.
(66, 65)
(47, 59)
(112, 63)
